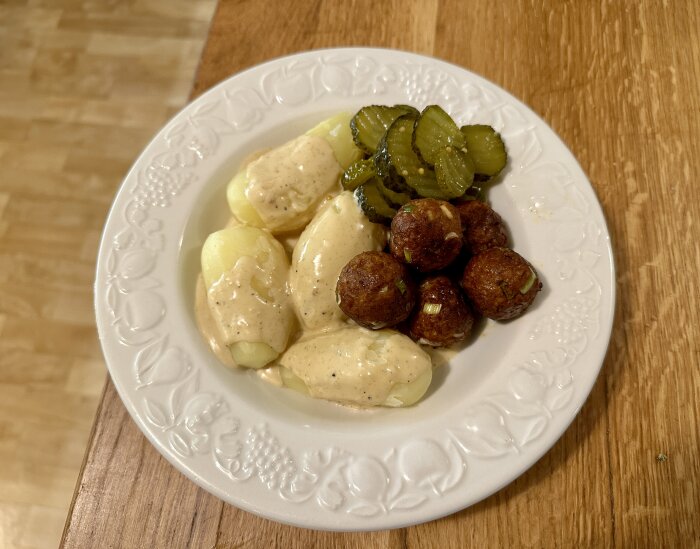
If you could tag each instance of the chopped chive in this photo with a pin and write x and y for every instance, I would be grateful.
(407, 255)
(407, 208)
(530, 281)
(432, 308)
(446, 211)
(401, 285)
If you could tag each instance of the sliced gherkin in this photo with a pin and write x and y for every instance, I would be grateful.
(358, 173)
(486, 148)
(454, 171)
(400, 166)
(373, 203)
(434, 131)
(370, 123)
(393, 198)
(409, 109)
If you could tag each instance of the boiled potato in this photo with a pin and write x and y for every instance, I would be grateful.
(406, 394)
(357, 366)
(282, 188)
(337, 233)
(239, 204)
(401, 394)
(245, 272)
(336, 130)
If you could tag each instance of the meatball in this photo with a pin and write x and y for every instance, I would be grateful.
(441, 317)
(500, 283)
(375, 290)
(482, 227)
(427, 234)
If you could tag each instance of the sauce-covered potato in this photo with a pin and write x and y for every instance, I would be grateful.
(426, 234)
(441, 317)
(500, 283)
(358, 367)
(375, 290)
(245, 274)
(281, 189)
(335, 235)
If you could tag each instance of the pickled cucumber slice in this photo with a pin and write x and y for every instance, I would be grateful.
(476, 192)
(429, 188)
(486, 149)
(393, 198)
(408, 109)
(400, 166)
(454, 171)
(370, 123)
(434, 131)
(373, 203)
(358, 173)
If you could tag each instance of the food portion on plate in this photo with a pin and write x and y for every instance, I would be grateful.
(389, 247)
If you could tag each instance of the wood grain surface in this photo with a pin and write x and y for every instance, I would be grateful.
(78, 101)
(618, 81)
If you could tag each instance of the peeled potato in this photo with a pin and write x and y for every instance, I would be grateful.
(406, 394)
(256, 324)
(292, 381)
(336, 132)
(252, 354)
(400, 396)
(239, 204)
(359, 367)
(337, 233)
(223, 248)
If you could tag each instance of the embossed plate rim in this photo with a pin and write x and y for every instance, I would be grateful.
(217, 440)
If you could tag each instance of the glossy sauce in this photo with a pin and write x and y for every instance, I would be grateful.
(250, 302)
(286, 184)
(207, 327)
(355, 365)
(338, 233)
(336, 359)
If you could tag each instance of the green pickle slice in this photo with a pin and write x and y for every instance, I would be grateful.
(370, 123)
(401, 167)
(434, 131)
(373, 203)
(393, 198)
(454, 171)
(358, 173)
(486, 149)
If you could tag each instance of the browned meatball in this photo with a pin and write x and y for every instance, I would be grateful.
(482, 227)
(426, 234)
(500, 283)
(441, 316)
(375, 290)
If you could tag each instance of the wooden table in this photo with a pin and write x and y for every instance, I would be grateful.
(619, 81)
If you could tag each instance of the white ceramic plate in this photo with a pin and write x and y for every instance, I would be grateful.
(490, 414)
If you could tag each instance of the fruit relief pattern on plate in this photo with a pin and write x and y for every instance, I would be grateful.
(196, 422)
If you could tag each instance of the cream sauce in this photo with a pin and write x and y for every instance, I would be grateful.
(336, 234)
(336, 359)
(250, 302)
(287, 183)
(354, 365)
(207, 327)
